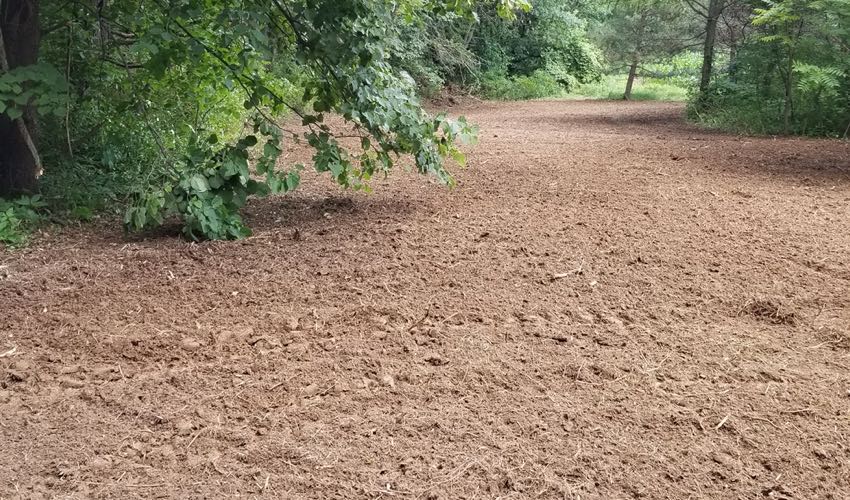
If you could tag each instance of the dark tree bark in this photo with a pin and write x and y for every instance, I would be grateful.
(20, 165)
(711, 12)
(631, 81)
(715, 9)
(788, 104)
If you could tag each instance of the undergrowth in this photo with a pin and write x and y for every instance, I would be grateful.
(538, 85)
(18, 217)
(541, 85)
(645, 89)
(744, 108)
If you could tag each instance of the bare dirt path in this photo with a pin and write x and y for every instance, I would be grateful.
(612, 304)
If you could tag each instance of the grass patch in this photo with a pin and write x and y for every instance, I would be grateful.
(644, 89)
(541, 85)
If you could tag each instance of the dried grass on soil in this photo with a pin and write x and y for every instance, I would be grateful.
(566, 324)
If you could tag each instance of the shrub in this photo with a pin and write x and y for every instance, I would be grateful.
(210, 185)
(746, 107)
(18, 217)
(538, 85)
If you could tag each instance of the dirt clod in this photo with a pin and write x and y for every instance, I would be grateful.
(388, 380)
(99, 463)
(436, 360)
(71, 382)
(190, 344)
(184, 427)
(17, 375)
(292, 323)
(767, 310)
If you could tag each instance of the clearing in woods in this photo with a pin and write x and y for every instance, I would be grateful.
(612, 304)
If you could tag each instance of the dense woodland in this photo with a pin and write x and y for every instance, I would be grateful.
(177, 108)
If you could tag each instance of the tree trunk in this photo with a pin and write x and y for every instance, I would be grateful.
(715, 8)
(733, 60)
(631, 81)
(20, 165)
(788, 107)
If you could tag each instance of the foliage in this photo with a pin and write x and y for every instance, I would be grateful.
(789, 75)
(538, 85)
(550, 40)
(681, 70)
(177, 106)
(18, 217)
(437, 52)
(40, 86)
(209, 187)
(130, 112)
(820, 96)
(638, 32)
(162, 109)
(738, 107)
(346, 53)
(565, 50)
(645, 89)
(667, 79)
(644, 31)
(819, 82)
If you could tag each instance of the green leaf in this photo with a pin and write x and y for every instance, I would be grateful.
(293, 180)
(458, 157)
(270, 150)
(199, 183)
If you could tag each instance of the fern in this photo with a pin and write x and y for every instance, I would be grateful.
(818, 81)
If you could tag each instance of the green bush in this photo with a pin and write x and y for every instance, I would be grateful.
(208, 187)
(436, 52)
(538, 85)
(98, 158)
(745, 107)
(18, 217)
(542, 54)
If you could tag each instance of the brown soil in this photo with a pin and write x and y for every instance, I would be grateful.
(612, 304)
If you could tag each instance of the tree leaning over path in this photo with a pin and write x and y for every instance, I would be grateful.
(345, 55)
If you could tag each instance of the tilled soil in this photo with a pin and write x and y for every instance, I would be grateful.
(612, 304)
